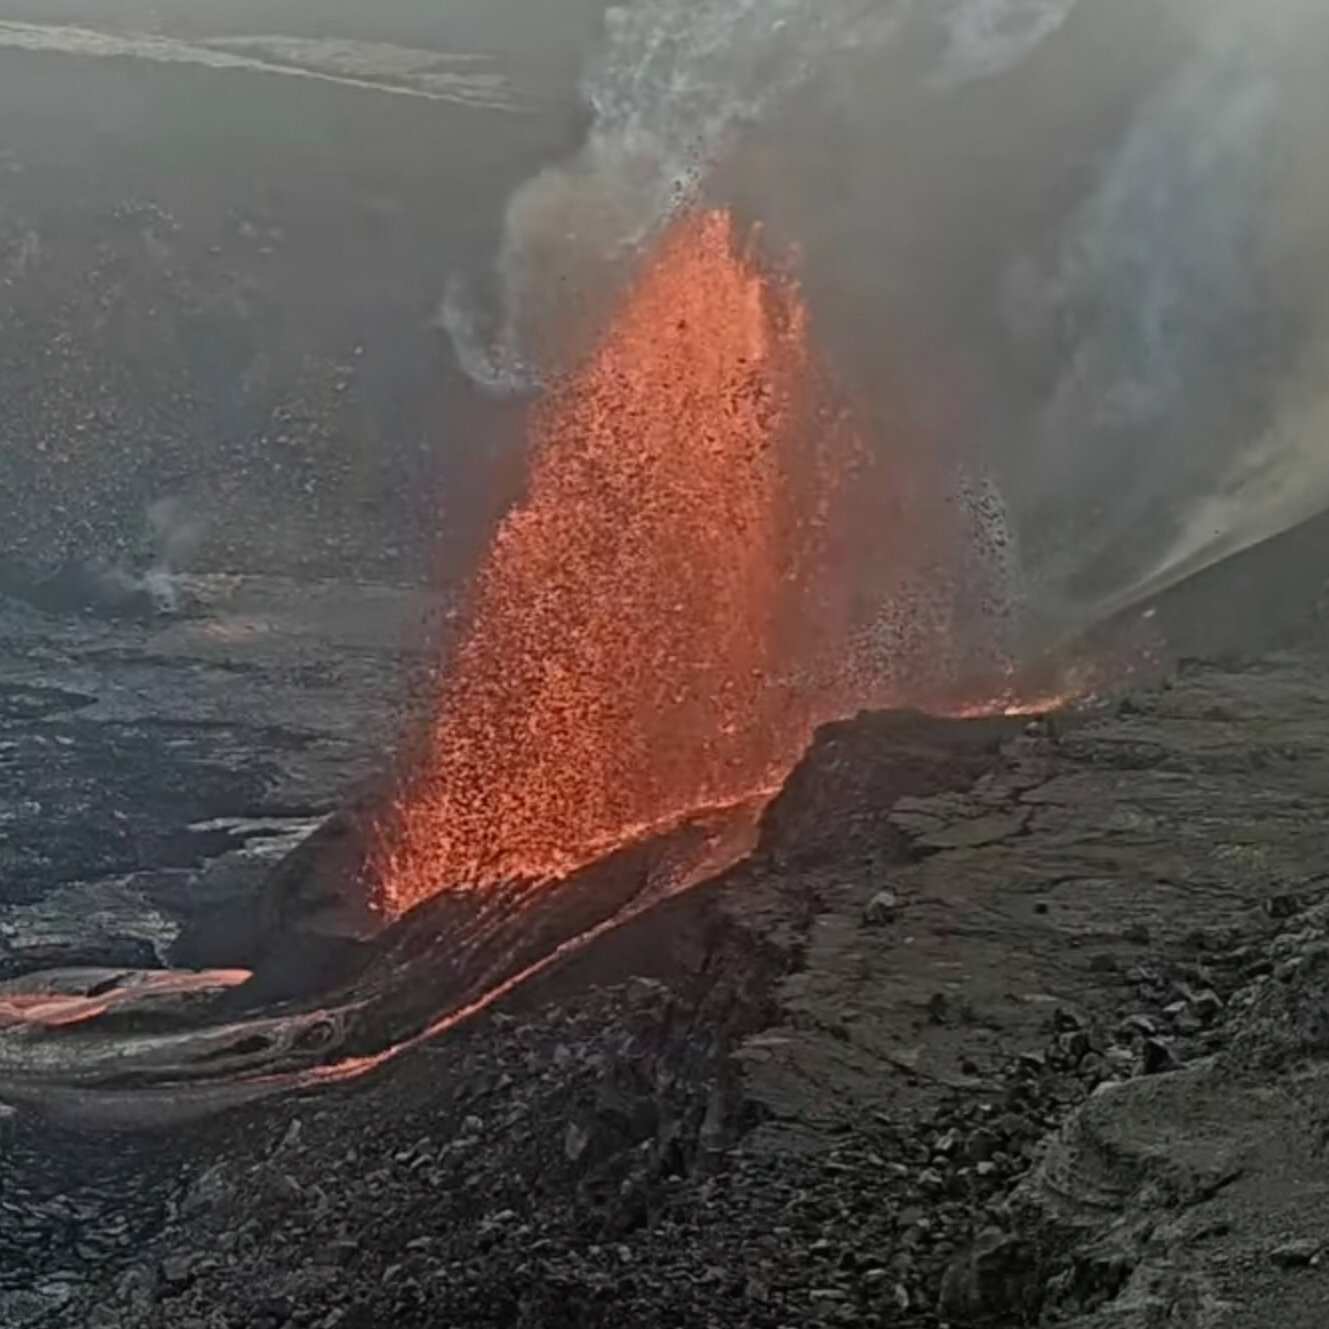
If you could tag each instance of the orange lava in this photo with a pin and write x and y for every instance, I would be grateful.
(52, 1006)
(642, 637)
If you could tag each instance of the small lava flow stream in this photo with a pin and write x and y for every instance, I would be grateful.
(647, 636)
(79, 995)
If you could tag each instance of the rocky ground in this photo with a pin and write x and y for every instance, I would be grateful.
(1005, 1022)
(153, 766)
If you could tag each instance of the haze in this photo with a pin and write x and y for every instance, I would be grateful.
(1070, 253)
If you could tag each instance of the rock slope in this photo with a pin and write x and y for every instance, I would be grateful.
(1004, 1023)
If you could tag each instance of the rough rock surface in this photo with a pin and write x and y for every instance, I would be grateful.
(1004, 1026)
(151, 772)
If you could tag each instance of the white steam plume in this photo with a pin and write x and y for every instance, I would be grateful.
(1189, 421)
(673, 88)
(989, 37)
(1155, 273)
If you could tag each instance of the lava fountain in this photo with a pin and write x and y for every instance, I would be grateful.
(693, 581)
(649, 635)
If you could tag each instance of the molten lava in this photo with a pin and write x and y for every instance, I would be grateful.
(643, 635)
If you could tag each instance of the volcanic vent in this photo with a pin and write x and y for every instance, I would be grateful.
(652, 632)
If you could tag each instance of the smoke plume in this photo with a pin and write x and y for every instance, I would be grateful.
(1154, 278)
(1077, 249)
(673, 90)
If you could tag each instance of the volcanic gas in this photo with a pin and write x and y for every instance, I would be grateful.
(649, 633)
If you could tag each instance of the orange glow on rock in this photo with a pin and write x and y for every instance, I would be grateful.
(643, 636)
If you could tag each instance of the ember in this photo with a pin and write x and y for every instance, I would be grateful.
(646, 637)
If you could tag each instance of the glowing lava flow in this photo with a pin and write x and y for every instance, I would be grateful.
(75, 996)
(634, 635)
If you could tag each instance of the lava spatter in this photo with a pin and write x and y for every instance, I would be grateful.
(640, 640)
